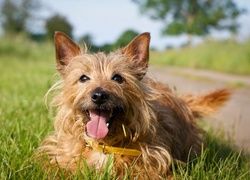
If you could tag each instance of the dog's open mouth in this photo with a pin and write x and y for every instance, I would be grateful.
(100, 121)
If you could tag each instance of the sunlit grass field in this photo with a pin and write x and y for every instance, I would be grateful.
(27, 72)
(223, 56)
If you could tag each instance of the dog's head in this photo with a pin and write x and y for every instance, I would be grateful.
(106, 90)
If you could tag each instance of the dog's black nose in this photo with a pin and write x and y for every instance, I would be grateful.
(99, 96)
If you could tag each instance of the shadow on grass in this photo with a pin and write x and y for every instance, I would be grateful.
(219, 160)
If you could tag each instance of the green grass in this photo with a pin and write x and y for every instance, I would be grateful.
(26, 74)
(224, 56)
(218, 161)
(27, 71)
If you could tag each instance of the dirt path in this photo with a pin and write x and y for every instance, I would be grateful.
(233, 119)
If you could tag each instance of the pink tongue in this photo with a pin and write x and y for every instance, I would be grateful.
(97, 127)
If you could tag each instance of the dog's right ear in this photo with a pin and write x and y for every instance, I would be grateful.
(66, 50)
(138, 51)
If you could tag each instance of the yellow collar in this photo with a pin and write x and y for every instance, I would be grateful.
(110, 149)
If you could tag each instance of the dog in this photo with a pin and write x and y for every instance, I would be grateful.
(108, 106)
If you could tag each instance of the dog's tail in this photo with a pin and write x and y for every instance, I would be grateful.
(203, 105)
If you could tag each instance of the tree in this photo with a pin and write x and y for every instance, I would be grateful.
(192, 17)
(122, 41)
(58, 23)
(15, 14)
(125, 38)
(88, 40)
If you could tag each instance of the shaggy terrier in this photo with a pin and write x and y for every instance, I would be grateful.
(108, 106)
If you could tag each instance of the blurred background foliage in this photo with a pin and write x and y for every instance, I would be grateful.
(191, 17)
(27, 65)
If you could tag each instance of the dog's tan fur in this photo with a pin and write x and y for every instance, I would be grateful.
(157, 122)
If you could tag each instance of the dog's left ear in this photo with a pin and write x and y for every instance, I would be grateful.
(138, 51)
(66, 50)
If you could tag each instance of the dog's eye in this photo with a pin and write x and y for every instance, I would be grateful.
(117, 78)
(84, 78)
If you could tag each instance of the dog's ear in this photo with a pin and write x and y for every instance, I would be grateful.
(66, 50)
(138, 51)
